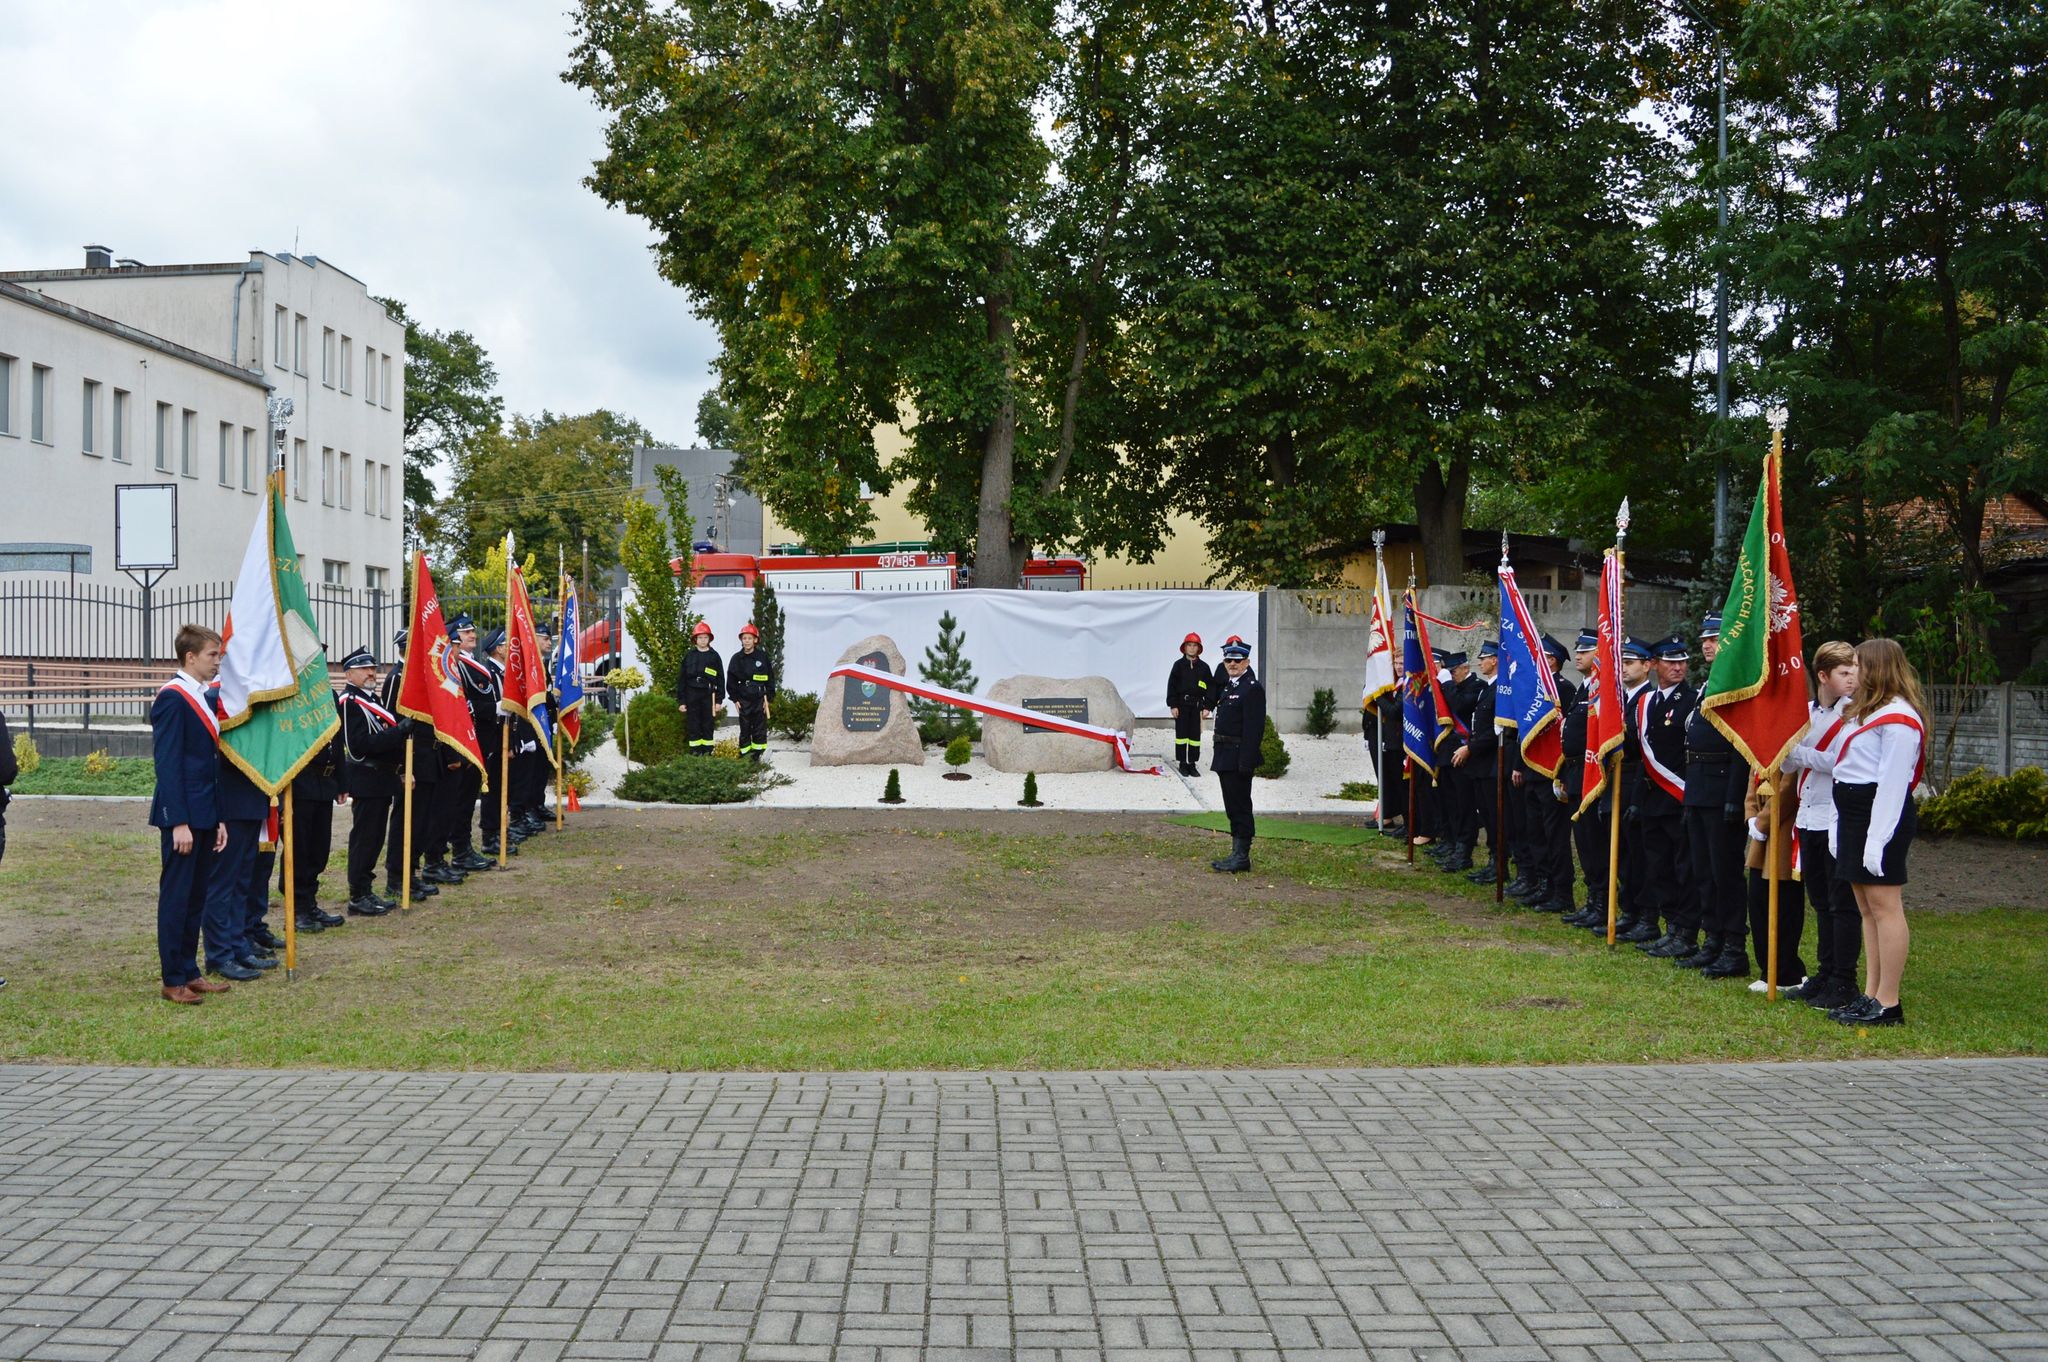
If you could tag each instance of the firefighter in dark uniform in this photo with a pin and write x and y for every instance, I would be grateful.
(1392, 759)
(1551, 833)
(480, 693)
(372, 748)
(750, 681)
(1663, 710)
(1190, 690)
(1455, 799)
(491, 805)
(1589, 828)
(426, 774)
(1240, 726)
(1637, 920)
(700, 690)
(1429, 821)
(1478, 760)
(449, 807)
(316, 789)
(530, 763)
(1716, 834)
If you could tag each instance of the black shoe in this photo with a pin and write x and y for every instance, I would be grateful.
(1394, 830)
(1532, 890)
(469, 860)
(1458, 861)
(309, 923)
(1732, 961)
(330, 919)
(1701, 955)
(258, 951)
(1238, 861)
(366, 906)
(1560, 901)
(233, 969)
(1831, 994)
(1642, 932)
(440, 872)
(1484, 874)
(1670, 947)
(1895, 1015)
(1859, 1011)
(259, 962)
(263, 936)
(1519, 885)
(1586, 917)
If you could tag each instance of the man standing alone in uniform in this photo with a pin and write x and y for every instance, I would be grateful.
(1240, 725)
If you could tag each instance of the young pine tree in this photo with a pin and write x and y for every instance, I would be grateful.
(944, 665)
(768, 619)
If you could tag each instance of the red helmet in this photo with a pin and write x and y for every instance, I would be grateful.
(702, 628)
(746, 629)
(1232, 639)
(1195, 639)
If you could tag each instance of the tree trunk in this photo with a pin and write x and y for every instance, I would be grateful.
(999, 553)
(1440, 515)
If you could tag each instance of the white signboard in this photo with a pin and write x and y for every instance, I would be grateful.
(146, 527)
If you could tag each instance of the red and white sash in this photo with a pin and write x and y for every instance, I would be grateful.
(1119, 743)
(372, 708)
(199, 707)
(1902, 715)
(1825, 739)
(1667, 779)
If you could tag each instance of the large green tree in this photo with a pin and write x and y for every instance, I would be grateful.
(556, 482)
(450, 398)
(907, 213)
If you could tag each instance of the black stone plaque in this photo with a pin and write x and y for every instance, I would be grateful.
(1073, 707)
(866, 706)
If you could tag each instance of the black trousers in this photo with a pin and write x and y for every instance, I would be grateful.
(394, 842)
(1483, 782)
(491, 795)
(1662, 891)
(699, 718)
(1187, 734)
(365, 841)
(469, 783)
(1546, 842)
(529, 792)
(447, 812)
(1714, 851)
(1237, 802)
(1837, 924)
(312, 844)
(753, 727)
(1589, 835)
(1791, 926)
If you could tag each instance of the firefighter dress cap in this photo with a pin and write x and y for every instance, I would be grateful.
(1440, 657)
(459, 623)
(1553, 649)
(494, 640)
(746, 629)
(1670, 649)
(1710, 627)
(361, 657)
(1636, 650)
(702, 628)
(1455, 659)
(1490, 648)
(398, 639)
(1588, 640)
(1237, 648)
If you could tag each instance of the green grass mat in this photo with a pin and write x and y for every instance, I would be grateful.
(1328, 834)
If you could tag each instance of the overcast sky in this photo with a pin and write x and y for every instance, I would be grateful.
(428, 147)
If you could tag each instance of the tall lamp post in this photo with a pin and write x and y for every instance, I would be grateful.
(1720, 272)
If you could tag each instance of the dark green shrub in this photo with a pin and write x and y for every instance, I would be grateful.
(598, 724)
(794, 714)
(960, 751)
(1322, 713)
(1030, 799)
(656, 729)
(697, 780)
(2014, 806)
(892, 788)
(1273, 758)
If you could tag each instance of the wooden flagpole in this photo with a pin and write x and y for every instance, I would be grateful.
(291, 915)
(405, 871)
(1777, 419)
(504, 789)
(1620, 694)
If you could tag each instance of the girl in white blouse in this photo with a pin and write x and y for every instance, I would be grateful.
(1838, 926)
(1877, 766)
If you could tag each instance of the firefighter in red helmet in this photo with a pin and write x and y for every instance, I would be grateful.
(750, 681)
(1190, 695)
(700, 690)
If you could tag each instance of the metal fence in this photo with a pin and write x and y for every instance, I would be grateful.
(2000, 728)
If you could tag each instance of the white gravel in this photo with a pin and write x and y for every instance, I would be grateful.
(1319, 767)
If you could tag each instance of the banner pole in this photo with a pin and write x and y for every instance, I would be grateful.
(504, 790)
(1771, 877)
(405, 868)
(1613, 840)
(557, 736)
(291, 914)
(1410, 768)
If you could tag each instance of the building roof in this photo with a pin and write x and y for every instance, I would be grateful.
(29, 297)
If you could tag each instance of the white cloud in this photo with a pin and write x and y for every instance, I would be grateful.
(429, 148)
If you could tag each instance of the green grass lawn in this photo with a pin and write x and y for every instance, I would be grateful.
(755, 940)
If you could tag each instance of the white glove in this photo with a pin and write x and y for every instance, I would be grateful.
(1756, 833)
(1874, 864)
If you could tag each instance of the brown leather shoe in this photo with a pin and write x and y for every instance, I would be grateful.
(209, 986)
(183, 994)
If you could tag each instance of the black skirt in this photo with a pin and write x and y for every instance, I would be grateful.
(1852, 829)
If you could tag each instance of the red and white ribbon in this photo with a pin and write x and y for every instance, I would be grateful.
(1119, 743)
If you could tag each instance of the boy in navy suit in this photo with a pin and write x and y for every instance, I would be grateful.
(186, 808)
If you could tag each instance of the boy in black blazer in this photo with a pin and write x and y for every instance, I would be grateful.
(185, 736)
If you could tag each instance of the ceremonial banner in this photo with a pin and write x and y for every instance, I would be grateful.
(1756, 692)
(1605, 720)
(568, 674)
(1525, 691)
(1379, 649)
(430, 691)
(526, 669)
(1119, 742)
(274, 689)
(1424, 711)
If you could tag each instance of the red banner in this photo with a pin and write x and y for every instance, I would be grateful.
(430, 691)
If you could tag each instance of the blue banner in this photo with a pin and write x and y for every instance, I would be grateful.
(1422, 711)
(1525, 692)
(567, 680)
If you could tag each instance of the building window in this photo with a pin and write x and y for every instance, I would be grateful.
(369, 487)
(347, 362)
(299, 469)
(377, 579)
(277, 322)
(384, 491)
(188, 444)
(39, 403)
(299, 343)
(117, 426)
(333, 573)
(163, 437)
(348, 473)
(248, 459)
(327, 356)
(6, 394)
(227, 453)
(88, 418)
(369, 374)
(384, 383)
(327, 475)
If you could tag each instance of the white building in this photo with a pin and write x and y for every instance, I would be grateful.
(129, 373)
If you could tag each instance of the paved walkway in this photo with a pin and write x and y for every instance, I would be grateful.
(1795, 1212)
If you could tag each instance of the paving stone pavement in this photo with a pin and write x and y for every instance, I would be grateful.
(1800, 1211)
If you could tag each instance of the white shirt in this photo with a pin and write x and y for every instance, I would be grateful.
(1887, 756)
(1816, 765)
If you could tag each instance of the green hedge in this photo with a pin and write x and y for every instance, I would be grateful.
(794, 714)
(656, 729)
(698, 780)
(2014, 806)
(1273, 757)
